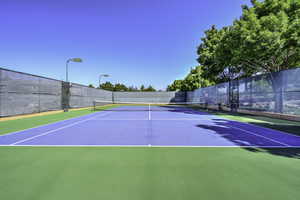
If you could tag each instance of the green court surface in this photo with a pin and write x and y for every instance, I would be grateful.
(34, 173)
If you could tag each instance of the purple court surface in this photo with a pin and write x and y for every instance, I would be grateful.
(150, 126)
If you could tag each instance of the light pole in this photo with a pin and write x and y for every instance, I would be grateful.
(100, 76)
(66, 85)
(67, 66)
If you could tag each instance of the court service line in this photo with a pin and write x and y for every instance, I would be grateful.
(54, 130)
(134, 119)
(267, 138)
(149, 112)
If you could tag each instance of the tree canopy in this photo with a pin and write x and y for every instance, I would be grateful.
(175, 86)
(149, 89)
(123, 88)
(265, 39)
(191, 82)
(107, 86)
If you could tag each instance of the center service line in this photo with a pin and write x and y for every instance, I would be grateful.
(149, 112)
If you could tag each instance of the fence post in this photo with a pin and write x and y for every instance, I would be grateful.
(65, 96)
(251, 92)
(277, 85)
(234, 95)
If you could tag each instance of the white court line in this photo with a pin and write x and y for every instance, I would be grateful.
(150, 119)
(54, 130)
(119, 119)
(252, 133)
(261, 127)
(149, 112)
(161, 146)
(256, 126)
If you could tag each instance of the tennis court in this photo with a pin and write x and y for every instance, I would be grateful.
(150, 125)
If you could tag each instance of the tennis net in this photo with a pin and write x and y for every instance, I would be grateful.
(143, 106)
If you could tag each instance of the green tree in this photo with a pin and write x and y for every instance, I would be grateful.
(194, 80)
(120, 87)
(269, 36)
(107, 86)
(270, 40)
(91, 86)
(213, 70)
(265, 39)
(175, 86)
(133, 89)
(217, 55)
(191, 82)
(150, 89)
(142, 88)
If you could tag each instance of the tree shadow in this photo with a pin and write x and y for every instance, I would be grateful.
(248, 142)
(275, 124)
(289, 128)
(219, 127)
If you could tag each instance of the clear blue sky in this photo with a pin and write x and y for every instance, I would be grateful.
(136, 41)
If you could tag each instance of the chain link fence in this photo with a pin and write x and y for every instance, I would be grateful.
(83, 96)
(22, 93)
(276, 93)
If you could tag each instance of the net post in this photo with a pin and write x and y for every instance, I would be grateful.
(113, 97)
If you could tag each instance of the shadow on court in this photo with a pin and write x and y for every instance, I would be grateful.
(244, 140)
(236, 136)
(289, 128)
(276, 124)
